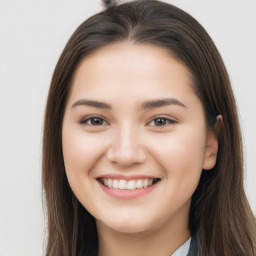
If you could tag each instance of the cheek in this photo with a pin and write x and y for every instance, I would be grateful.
(80, 151)
(181, 156)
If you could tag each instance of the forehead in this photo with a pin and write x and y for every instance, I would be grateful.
(129, 66)
(132, 56)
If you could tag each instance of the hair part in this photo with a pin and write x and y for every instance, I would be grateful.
(220, 214)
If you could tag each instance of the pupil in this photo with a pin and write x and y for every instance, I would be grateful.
(96, 121)
(160, 122)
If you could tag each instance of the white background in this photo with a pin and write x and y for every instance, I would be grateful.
(32, 36)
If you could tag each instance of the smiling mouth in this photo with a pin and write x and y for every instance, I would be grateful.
(128, 185)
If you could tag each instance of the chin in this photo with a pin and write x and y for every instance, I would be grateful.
(128, 224)
(130, 228)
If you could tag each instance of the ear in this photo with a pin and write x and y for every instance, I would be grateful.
(211, 150)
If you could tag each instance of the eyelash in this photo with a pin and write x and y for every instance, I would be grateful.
(167, 121)
(88, 121)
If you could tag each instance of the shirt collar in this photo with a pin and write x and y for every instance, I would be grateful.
(183, 250)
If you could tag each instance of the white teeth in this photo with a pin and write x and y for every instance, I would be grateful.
(127, 185)
(109, 183)
(122, 184)
(105, 181)
(131, 184)
(139, 184)
(115, 184)
(145, 183)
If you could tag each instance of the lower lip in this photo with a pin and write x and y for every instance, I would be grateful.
(127, 194)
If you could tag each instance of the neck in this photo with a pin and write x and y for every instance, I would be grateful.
(161, 241)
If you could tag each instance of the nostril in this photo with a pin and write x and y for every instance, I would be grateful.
(126, 157)
(125, 147)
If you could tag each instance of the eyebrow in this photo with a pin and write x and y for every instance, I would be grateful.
(91, 103)
(146, 105)
(161, 102)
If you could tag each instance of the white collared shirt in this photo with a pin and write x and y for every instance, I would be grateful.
(183, 250)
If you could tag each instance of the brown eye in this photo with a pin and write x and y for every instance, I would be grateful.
(94, 121)
(161, 121)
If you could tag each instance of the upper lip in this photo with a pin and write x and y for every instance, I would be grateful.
(126, 177)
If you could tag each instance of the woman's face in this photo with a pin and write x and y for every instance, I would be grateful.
(135, 139)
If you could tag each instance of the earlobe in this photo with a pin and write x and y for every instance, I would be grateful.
(211, 150)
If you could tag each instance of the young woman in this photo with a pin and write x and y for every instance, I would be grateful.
(142, 150)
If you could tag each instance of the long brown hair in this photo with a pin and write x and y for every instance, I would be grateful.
(220, 215)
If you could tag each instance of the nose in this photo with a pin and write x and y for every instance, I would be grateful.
(126, 148)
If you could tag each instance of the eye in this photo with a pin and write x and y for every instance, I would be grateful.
(94, 121)
(161, 121)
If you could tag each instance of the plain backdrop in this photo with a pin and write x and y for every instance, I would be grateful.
(32, 35)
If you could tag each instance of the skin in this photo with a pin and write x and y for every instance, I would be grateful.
(128, 141)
